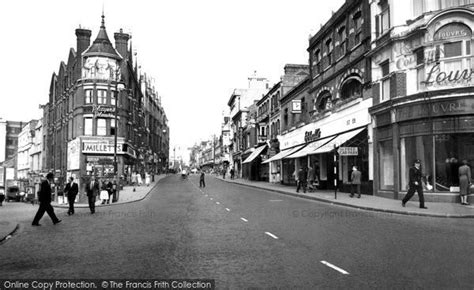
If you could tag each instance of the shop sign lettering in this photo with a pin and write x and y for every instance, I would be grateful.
(438, 77)
(455, 30)
(100, 148)
(312, 136)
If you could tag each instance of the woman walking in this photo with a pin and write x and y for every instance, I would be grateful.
(464, 181)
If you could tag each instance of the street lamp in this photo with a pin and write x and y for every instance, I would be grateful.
(118, 89)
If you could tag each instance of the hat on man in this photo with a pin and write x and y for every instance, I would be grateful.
(417, 161)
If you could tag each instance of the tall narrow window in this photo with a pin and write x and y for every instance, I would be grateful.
(101, 96)
(329, 51)
(385, 66)
(88, 126)
(113, 98)
(317, 61)
(113, 129)
(342, 41)
(89, 96)
(383, 18)
(101, 127)
(357, 19)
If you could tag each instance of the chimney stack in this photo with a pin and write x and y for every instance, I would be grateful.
(121, 43)
(83, 42)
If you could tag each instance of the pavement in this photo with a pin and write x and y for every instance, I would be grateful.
(366, 202)
(14, 215)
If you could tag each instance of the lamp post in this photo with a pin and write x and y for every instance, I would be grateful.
(118, 89)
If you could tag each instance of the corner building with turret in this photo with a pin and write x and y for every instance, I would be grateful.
(102, 112)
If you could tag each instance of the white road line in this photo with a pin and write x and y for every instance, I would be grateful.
(273, 200)
(335, 268)
(244, 220)
(211, 198)
(227, 209)
(218, 202)
(272, 235)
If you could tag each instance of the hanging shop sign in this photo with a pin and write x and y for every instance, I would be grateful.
(348, 151)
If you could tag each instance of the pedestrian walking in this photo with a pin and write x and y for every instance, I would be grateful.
(202, 183)
(232, 173)
(415, 184)
(302, 179)
(110, 191)
(139, 179)
(2, 197)
(71, 191)
(92, 190)
(223, 173)
(356, 176)
(310, 178)
(147, 179)
(464, 181)
(104, 193)
(44, 198)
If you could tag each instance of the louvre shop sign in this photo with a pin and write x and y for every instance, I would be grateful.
(437, 77)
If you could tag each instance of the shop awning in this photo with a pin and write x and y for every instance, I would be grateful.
(338, 141)
(283, 154)
(254, 154)
(311, 147)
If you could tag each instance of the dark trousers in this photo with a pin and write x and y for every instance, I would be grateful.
(91, 203)
(301, 184)
(45, 207)
(411, 192)
(202, 183)
(356, 188)
(71, 200)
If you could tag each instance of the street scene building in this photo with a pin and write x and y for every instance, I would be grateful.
(104, 118)
(422, 76)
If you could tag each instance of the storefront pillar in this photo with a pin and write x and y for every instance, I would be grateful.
(396, 159)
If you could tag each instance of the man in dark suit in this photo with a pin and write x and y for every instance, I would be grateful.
(44, 198)
(92, 189)
(302, 179)
(71, 190)
(356, 176)
(415, 184)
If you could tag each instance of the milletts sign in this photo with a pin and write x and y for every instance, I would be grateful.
(312, 136)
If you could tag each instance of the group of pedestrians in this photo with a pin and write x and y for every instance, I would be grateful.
(305, 179)
(93, 190)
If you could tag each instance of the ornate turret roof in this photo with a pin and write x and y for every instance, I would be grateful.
(102, 45)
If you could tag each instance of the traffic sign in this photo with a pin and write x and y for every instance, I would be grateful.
(348, 151)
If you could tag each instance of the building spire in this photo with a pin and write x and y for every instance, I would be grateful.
(103, 18)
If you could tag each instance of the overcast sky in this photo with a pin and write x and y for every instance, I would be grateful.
(197, 51)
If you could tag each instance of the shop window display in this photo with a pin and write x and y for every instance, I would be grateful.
(412, 148)
(450, 150)
(386, 165)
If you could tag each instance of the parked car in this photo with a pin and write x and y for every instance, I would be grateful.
(13, 193)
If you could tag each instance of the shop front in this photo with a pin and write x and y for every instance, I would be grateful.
(343, 137)
(439, 132)
(94, 156)
(252, 166)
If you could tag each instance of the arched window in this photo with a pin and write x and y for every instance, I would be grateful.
(351, 88)
(324, 101)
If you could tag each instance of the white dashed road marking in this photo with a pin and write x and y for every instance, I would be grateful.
(335, 268)
(218, 202)
(211, 198)
(227, 209)
(244, 220)
(271, 235)
(273, 200)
